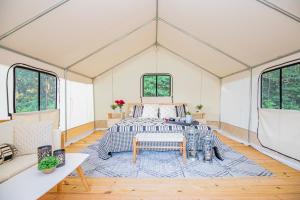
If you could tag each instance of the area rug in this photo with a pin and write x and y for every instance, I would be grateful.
(169, 164)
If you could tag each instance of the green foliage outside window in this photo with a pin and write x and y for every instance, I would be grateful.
(27, 90)
(156, 85)
(281, 91)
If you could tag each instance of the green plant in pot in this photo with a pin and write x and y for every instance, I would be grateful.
(199, 107)
(113, 107)
(48, 164)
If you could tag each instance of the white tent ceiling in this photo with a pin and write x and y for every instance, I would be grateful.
(90, 37)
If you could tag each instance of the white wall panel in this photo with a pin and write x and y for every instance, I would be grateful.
(247, 30)
(103, 98)
(117, 52)
(15, 12)
(78, 28)
(3, 101)
(235, 99)
(123, 82)
(197, 52)
(80, 107)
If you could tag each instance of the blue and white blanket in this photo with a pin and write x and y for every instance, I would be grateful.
(119, 137)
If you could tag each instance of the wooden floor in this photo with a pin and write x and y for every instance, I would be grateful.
(285, 184)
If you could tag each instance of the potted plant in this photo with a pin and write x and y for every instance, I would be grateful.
(188, 118)
(120, 103)
(113, 107)
(48, 164)
(199, 107)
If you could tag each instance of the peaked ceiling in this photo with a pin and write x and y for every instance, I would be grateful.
(90, 37)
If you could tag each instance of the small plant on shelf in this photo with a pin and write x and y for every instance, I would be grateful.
(188, 113)
(48, 164)
(199, 107)
(113, 106)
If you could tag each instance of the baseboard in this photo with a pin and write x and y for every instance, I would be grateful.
(79, 137)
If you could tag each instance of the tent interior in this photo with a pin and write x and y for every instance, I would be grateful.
(67, 67)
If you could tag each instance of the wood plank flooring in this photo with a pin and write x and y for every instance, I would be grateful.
(285, 184)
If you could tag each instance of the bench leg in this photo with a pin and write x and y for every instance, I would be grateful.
(181, 148)
(59, 186)
(83, 179)
(134, 150)
(184, 150)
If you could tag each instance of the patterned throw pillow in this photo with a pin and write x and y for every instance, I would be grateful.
(150, 111)
(180, 110)
(7, 152)
(167, 111)
(137, 111)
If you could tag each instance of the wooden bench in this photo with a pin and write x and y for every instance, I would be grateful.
(159, 137)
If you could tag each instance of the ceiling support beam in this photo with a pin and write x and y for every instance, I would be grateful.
(156, 30)
(263, 63)
(130, 57)
(40, 60)
(189, 61)
(203, 42)
(45, 12)
(110, 43)
(277, 58)
(280, 10)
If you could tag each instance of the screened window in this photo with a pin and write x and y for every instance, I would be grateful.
(34, 90)
(280, 88)
(157, 85)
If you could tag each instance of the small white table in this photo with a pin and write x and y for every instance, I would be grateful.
(159, 137)
(32, 184)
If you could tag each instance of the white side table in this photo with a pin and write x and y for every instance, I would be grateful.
(32, 184)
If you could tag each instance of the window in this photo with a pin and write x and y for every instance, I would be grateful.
(280, 88)
(34, 90)
(157, 85)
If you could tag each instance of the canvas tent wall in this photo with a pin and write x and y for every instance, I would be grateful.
(221, 44)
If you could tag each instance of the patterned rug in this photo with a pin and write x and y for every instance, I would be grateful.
(168, 164)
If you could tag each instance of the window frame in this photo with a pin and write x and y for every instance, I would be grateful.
(271, 69)
(156, 75)
(39, 71)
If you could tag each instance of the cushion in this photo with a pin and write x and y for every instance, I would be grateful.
(7, 152)
(28, 136)
(7, 132)
(137, 111)
(17, 165)
(167, 111)
(180, 110)
(150, 111)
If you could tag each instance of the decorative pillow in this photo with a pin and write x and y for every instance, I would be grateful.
(137, 111)
(131, 111)
(7, 152)
(150, 111)
(167, 111)
(29, 136)
(180, 110)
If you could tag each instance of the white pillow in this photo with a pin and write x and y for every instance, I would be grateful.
(150, 111)
(28, 136)
(167, 111)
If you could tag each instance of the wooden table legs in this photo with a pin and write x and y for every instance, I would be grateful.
(82, 177)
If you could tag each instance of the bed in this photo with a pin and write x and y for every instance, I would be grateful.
(119, 137)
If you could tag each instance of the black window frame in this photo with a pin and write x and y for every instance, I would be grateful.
(39, 71)
(280, 84)
(156, 75)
